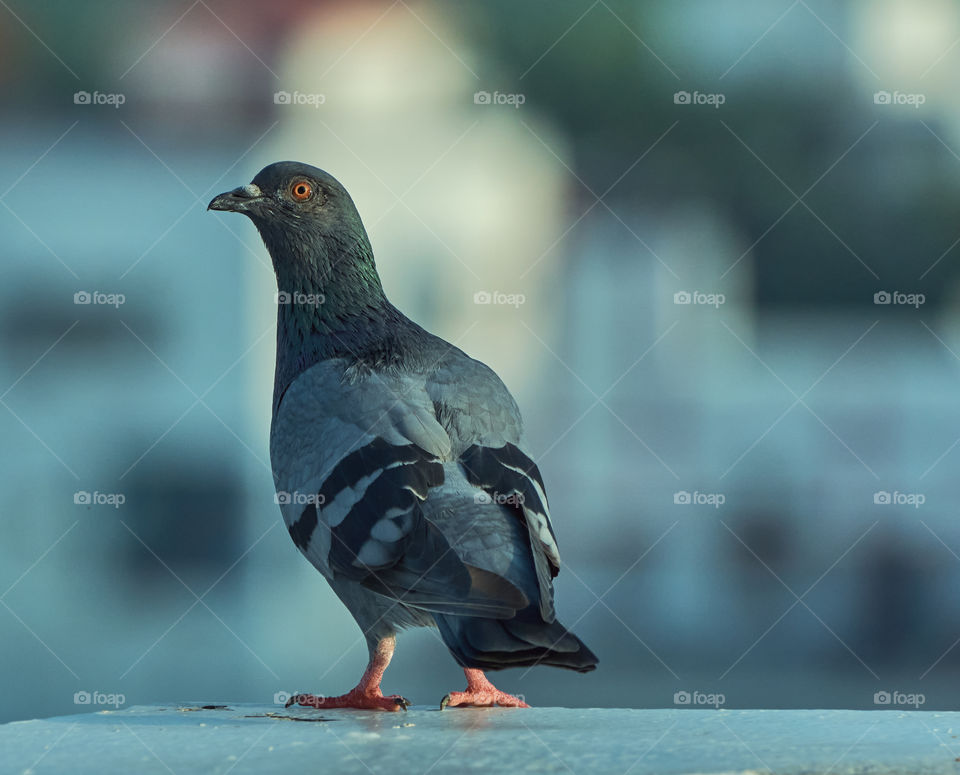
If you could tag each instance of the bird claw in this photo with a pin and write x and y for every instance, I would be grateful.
(481, 699)
(356, 699)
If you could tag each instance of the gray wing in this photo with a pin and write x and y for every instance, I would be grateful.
(485, 429)
(354, 462)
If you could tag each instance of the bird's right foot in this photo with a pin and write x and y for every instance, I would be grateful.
(355, 699)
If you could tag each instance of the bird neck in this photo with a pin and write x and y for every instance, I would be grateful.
(330, 305)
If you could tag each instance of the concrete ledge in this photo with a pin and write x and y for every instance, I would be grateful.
(259, 739)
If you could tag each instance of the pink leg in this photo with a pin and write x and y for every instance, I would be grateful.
(366, 695)
(480, 692)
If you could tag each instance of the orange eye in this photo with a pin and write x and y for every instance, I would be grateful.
(301, 190)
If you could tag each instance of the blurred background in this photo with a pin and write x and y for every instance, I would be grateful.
(712, 248)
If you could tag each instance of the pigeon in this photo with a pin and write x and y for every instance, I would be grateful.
(400, 462)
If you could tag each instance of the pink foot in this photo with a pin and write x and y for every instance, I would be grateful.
(481, 698)
(480, 693)
(359, 700)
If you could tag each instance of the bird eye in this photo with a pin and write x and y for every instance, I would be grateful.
(301, 190)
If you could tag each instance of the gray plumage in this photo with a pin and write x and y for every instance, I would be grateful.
(409, 485)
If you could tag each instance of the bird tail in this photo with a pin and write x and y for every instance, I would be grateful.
(523, 641)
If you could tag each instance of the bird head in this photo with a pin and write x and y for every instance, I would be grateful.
(291, 195)
(308, 223)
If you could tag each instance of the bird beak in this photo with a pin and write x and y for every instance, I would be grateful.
(238, 200)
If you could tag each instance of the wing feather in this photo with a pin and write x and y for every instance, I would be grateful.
(365, 519)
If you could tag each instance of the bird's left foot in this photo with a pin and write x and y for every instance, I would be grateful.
(481, 698)
(480, 693)
(358, 700)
